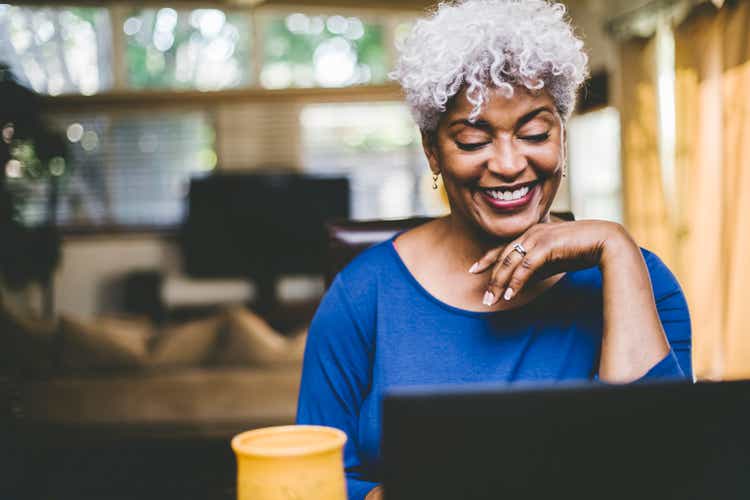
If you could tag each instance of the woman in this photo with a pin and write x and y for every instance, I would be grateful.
(497, 290)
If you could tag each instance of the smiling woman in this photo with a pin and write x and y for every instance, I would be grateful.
(497, 290)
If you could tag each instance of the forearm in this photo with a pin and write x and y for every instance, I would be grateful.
(633, 338)
(375, 494)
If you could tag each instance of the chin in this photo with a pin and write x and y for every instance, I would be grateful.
(508, 229)
(499, 225)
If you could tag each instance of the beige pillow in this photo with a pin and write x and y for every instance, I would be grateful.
(250, 340)
(187, 344)
(104, 343)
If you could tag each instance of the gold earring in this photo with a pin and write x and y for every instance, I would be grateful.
(434, 181)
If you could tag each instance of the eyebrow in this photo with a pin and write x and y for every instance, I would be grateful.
(482, 124)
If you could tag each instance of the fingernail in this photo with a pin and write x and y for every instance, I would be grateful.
(488, 299)
(508, 294)
(474, 267)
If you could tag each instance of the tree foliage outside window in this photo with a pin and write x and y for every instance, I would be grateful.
(58, 50)
(206, 49)
(328, 51)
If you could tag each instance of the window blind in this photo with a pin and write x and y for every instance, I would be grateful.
(125, 170)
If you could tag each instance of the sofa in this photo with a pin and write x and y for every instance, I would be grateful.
(213, 376)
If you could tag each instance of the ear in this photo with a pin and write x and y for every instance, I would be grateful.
(429, 145)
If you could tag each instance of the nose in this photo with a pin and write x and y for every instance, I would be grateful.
(506, 160)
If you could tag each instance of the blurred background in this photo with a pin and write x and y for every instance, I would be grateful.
(166, 168)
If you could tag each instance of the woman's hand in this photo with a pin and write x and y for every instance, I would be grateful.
(633, 339)
(375, 494)
(551, 248)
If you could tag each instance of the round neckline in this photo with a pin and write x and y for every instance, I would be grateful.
(391, 243)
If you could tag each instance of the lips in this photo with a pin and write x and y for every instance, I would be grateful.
(511, 197)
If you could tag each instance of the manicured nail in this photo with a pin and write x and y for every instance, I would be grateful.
(508, 294)
(474, 267)
(489, 298)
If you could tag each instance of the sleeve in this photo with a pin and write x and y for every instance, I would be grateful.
(336, 377)
(675, 318)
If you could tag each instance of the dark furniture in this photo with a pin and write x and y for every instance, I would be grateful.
(259, 226)
(70, 463)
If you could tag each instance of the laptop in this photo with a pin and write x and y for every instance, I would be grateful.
(671, 440)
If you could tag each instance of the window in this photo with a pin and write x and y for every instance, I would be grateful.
(594, 161)
(205, 49)
(132, 168)
(72, 49)
(327, 51)
(126, 170)
(378, 147)
(58, 50)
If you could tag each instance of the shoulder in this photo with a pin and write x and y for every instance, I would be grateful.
(663, 280)
(669, 298)
(360, 276)
(352, 296)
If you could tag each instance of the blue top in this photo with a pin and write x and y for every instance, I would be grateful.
(377, 327)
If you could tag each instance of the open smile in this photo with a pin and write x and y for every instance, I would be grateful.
(506, 198)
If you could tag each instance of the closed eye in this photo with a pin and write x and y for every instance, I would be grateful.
(470, 146)
(536, 138)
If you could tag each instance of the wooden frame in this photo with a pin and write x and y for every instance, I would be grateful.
(150, 99)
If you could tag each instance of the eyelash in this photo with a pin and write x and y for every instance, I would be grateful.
(476, 145)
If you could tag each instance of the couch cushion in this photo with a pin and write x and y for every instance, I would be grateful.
(104, 343)
(250, 340)
(188, 344)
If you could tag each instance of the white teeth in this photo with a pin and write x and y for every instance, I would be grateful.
(509, 195)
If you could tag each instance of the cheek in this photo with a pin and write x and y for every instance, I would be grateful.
(549, 159)
(461, 169)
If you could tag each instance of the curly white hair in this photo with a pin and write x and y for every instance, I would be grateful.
(476, 43)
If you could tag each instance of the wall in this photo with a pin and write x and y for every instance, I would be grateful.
(88, 281)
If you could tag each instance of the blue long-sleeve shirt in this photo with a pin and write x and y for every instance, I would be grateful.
(377, 327)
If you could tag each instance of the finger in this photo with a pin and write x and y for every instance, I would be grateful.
(486, 261)
(501, 273)
(491, 257)
(523, 272)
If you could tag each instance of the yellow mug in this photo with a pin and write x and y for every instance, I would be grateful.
(291, 462)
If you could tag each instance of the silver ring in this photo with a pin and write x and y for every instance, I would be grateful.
(520, 249)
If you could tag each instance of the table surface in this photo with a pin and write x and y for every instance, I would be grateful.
(43, 464)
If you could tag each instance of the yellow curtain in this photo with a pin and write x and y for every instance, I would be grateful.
(735, 28)
(645, 208)
(712, 84)
(701, 172)
(708, 243)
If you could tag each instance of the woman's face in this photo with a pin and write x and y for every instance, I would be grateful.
(501, 172)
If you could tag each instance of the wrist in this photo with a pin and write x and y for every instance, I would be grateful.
(617, 245)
